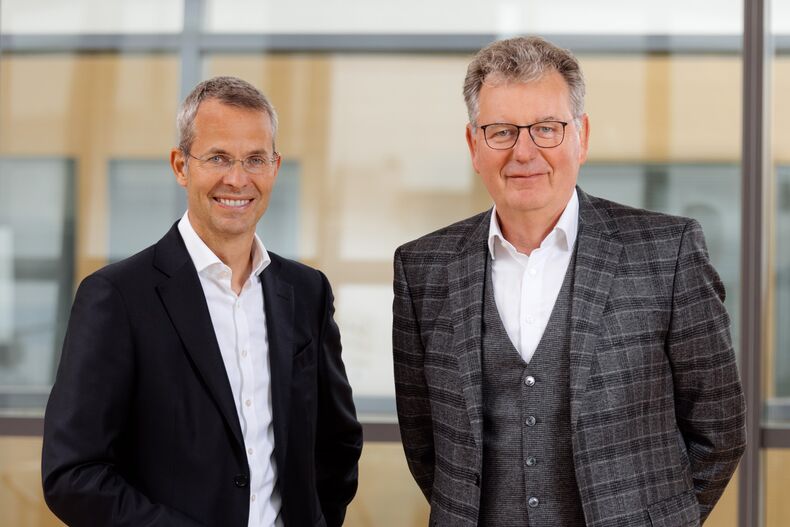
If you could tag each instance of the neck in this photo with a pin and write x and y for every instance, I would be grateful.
(236, 253)
(527, 230)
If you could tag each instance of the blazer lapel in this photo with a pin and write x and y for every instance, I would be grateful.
(278, 298)
(465, 282)
(597, 256)
(182, 296)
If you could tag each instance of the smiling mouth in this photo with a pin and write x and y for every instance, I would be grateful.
(232, 202)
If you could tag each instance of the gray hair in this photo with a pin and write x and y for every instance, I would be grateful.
(228, 90)
(522, 59)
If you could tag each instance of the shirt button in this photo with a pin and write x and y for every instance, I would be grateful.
(530, 380)
(244, 352)
(252, 498)
(248, 402)
(533, 502)
(532, 272)
(530, 421)
(529, 319)
(531, 461)
(249, 451)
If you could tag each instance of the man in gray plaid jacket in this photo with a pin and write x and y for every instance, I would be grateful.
(560, 360)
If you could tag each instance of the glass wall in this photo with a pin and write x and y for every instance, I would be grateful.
(372, 138)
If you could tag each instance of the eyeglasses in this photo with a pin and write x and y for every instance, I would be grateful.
(222, 164)
(545, 134)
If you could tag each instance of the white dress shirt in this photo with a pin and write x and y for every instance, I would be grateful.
(526, 286)
(240, 327)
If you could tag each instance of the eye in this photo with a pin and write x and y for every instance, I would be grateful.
(218, 160)
(500, 132)
(547, 129)
(255, 161)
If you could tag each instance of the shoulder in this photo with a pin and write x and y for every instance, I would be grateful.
(634, 224)
(129, 271)
(148, 267)
(301, 276)
(443, 243)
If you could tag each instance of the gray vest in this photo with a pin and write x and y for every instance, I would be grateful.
(528, 476)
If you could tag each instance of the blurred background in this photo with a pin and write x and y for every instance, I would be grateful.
(372, 138)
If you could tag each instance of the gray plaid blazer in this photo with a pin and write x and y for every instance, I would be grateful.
(657, 408)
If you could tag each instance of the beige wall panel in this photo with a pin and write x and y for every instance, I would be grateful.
(664, 108)
(40, 113)
(21, 498)
(780, 110)
(397, 141)
(777, 479)
(387, 495)
(705, 105)
(615, 102)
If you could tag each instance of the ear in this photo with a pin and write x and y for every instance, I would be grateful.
(178, 163)
(584, 138)
(471, 141)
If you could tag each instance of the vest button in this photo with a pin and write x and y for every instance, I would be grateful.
(530, 380)
(533, 502)
(241, 480)
(531, 461)
(530, 421)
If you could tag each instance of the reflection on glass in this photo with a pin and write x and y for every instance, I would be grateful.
(36, 255)
(782, 292)
(145, 200)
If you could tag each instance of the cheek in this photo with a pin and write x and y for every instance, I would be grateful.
(490, 162)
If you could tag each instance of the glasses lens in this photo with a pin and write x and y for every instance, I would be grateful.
(255, 164)
(501, 136)
(547, 134)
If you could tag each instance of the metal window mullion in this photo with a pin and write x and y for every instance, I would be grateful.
(753, 258)
(190, 45)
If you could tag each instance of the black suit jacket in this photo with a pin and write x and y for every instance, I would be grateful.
(141, 427)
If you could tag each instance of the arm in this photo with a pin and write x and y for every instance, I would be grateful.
(86, 416)
(338, 434)
(411, 389)
(709, 401)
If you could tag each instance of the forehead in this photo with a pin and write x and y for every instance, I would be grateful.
(216, 120)
(548, 96)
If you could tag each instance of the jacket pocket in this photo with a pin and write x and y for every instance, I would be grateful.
(678, 511)
(304, 357)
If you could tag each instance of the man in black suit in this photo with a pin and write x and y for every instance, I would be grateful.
(201, 381)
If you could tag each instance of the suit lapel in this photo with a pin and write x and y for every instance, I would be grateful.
(278, 297)
(597, 256)
(182, 296)
(465, 281)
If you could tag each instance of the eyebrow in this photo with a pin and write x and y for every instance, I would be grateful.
(218, 150)
(549, 118)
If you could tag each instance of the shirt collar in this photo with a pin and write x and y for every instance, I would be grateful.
(566, 229)
(203, 257)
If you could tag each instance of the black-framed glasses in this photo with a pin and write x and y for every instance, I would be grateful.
(222, 164)
(545, 134)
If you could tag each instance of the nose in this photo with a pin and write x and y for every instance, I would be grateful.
(236, 175)
(525, 148)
